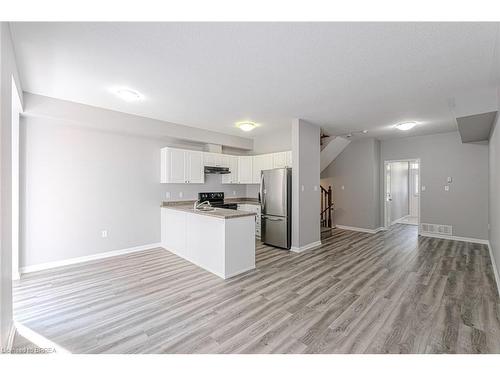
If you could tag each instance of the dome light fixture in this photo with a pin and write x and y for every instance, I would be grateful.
(406, 125)
(129, 95)
(246, 126)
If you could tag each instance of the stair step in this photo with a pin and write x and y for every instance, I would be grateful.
(326, 232)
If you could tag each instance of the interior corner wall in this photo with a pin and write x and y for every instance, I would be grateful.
(465, 205)
(305, 184)
(354, 178)
(8, 72)
(494, 188)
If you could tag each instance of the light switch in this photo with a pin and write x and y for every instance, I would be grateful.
(302, 187)
(234, 192)
(446, 188)
(104, 233)
(423, 187)
(342, 187)
(449, 180)
(167, 195)
(315, 188)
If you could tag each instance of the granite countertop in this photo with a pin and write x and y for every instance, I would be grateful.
(221, 213)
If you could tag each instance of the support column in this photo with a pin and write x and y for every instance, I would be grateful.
(305, 185)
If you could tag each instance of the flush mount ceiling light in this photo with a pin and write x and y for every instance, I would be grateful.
(128, 95)
(246, 126)
(406, 125)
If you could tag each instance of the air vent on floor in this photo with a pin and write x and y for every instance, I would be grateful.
(437, 229)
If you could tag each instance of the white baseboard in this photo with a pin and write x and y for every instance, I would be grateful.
(454, 238)
(10, 338)
(39, 340)
(364, 230)
(494, 265)
(66, 262)
(305, 247)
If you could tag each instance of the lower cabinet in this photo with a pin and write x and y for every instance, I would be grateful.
(252, 208)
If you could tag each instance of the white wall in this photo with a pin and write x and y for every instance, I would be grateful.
(494, 188)
(305, 173)
(465, 205)
(8, 70)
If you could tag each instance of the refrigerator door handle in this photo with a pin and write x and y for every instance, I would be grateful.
(262, 192)
(272, 219)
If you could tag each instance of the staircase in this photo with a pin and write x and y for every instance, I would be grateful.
(331, 150)
(326, 212)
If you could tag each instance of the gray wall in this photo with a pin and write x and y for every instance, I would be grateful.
(306, 173)
(8, 70)
(465, 206)
(77, 181)
(357, 169)
(399, 190)
(494, 188)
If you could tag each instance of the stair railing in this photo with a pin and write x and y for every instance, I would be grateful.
(326, 207)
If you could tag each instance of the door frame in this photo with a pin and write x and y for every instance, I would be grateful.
(384, 192)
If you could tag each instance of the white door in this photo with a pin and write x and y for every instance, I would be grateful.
(175, 166)
(388, 196)
(245, 169)
(414, 188)
(195, 173)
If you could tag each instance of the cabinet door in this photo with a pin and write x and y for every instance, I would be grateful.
(195, 173)
(209, 159)
(279, 160)
(261, 163)
(245, 169)
(175, 166)
(230, 162)
(233, 167)
(289, 159)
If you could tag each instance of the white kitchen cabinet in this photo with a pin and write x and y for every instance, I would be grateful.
(181, 166)
(245, 169)
(261, 163)
(288, 159)
(194, 169)
(252, 208)
(232, 164)
(279, 160)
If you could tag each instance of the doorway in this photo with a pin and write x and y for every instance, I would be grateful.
(402, 192)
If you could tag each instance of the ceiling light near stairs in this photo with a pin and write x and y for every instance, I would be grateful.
(128, 95)
(406, 125)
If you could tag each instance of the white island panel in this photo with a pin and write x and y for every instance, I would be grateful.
(225, 247)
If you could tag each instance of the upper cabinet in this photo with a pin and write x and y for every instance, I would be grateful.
(232, 164)
(188, 167)
(261, 163)
(181, 166)
(245, 169)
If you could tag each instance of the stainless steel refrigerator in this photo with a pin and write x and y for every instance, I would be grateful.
(276, 207)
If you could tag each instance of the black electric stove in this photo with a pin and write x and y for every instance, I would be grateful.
(216, 200)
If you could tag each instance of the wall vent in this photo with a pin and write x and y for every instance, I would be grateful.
(437, 229)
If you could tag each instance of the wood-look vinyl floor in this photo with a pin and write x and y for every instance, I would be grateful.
(390, 292)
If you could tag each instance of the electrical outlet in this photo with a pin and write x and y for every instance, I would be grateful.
(449, 180)
(343, 187)
(234, 192)
(315, 188)
(104, 233)
(423, 187)
(446, 188)
(180, 194)
(302, 187)
(167, 195)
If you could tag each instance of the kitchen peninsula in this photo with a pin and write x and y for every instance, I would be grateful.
(221, 241)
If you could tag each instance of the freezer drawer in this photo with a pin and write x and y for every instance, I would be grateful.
(274, 231)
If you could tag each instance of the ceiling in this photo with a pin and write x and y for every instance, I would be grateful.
(343, 76)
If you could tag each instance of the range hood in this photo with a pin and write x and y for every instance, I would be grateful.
(217, 170)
